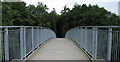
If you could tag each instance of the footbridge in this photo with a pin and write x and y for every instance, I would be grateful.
(88, 43)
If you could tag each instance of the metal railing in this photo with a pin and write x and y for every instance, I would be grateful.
(100, 42)
(17, 42)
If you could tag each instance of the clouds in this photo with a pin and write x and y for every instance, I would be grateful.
(110, 5)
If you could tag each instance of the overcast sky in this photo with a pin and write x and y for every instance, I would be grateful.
(110, 5)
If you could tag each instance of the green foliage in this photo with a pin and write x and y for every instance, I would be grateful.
(83, 15)
(53, 18)
(17, 13)
(0, 13)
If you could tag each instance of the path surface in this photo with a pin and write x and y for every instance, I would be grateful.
(58, 49)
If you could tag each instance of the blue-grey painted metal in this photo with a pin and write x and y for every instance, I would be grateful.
(93, 46)
(38, 36)
(6, 44)
(0, 45)
(100, 42)
(86, 37)
(32, 38)
(95, 43)
(116, 43)
(24, 33)
(20, 41)
(109, 44)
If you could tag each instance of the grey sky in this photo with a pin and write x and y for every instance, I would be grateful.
(110, 5)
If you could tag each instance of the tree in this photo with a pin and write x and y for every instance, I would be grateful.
(17, 13)
(83, 15)
(0, 13)
(62, 23)
(53, 18)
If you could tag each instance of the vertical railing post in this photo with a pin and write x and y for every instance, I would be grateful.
(86, 37)
(78, 33)
(6, 44)
(43, 34)
(40, 35)
(21, 42)
(41, 30)
(95, 43)
(76, 30)
(0, 45)
(32, 38)
(37, 36)
(24, 42)
(109, 44)
(81, 35)
(81, 28)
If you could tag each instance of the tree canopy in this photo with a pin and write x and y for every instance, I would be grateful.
(18, 14)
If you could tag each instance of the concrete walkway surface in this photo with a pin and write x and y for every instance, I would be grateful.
(58, 49)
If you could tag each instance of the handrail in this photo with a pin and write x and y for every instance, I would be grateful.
(97, 42)
(19, 43)
(21, 27)
(101, 26)
(95, 27)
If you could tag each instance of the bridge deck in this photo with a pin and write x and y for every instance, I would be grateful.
(58, 49)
